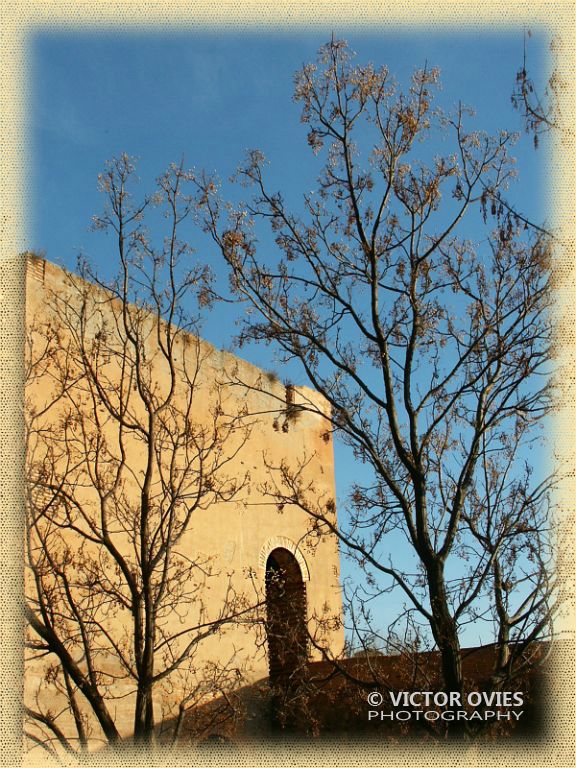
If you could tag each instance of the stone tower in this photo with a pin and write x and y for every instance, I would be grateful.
(243, 539)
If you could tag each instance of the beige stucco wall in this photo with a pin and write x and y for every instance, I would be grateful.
(237, 535)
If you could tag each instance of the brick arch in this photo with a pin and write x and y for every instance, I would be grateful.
(287, 636)
(283, 542)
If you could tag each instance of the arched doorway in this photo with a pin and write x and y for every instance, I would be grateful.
(287, 635)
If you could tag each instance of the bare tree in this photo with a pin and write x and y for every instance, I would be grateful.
(541, 108)
(128, 441)
(417, 304)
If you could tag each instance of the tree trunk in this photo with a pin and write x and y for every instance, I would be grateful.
(144, 714)
(446, 635)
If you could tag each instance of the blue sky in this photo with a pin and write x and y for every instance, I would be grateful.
(208, 97)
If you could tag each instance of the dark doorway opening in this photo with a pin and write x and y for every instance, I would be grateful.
(287, 635)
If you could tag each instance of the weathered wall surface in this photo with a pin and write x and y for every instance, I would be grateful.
(235, 536)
